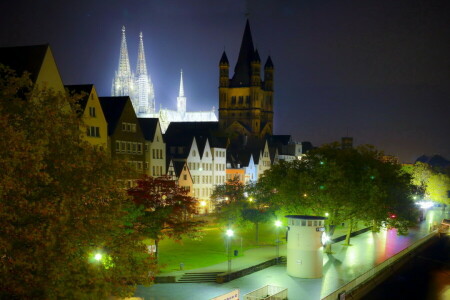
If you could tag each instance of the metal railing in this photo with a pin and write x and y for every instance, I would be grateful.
(355, 283)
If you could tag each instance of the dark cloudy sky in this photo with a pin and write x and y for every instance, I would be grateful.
(377, 70)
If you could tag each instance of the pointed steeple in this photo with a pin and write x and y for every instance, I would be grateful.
(181, 99)
(224, 59)
(124, 62)
(181, 93)
(141, 65)
(269, 63)
(145, 95)
(242, 70)
(123, 81)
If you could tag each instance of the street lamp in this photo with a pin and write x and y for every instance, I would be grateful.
(98, 256)
(229, 234)
(278, 225)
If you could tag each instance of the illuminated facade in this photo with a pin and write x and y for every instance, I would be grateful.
(138, 86)
(140, 89)
(166, 116)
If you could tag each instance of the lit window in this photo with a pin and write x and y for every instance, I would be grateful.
(92, 112)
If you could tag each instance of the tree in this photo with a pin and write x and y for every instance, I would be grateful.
(348, 184)
(438, 188)
(229, 201)
(60, 204)
(432, 183)
(241, 205)
(166, 209)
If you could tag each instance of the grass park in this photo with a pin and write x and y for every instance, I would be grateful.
(210, 249)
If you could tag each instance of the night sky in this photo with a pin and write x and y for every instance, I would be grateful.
(378, 71)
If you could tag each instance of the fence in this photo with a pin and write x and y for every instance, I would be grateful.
(364, 278)
(268, 292)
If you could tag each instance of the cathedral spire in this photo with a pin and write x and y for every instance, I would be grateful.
(141, 65)
(181, 94)
(124, 61)
(181, 99)
(145, 96)
(123, 80)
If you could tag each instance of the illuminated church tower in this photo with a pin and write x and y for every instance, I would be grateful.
(245, 101)
(123, 81)
(181, 99)
(139, 87)
(145, 95)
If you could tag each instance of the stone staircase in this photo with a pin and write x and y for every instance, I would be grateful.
(198, 277)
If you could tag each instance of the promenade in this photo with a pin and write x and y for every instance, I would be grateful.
(346, 263)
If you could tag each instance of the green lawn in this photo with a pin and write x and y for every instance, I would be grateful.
(211, 248)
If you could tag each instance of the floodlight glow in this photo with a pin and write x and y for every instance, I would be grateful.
(202, 203)
(250, 199)
(245, 194)
(98, 256)
(325, 238)
(425, 204)
(327, 214)
(229, 233)
(278, 223)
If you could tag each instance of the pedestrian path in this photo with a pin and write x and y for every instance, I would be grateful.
(346, 263)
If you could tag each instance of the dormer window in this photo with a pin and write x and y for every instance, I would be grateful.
(206, 154)
(194, 153)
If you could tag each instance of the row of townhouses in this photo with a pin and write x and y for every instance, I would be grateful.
(195, 154)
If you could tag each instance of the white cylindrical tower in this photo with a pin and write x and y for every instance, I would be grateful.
(304, 246)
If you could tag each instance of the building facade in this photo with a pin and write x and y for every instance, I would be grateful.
(154, 148)
(245, 100)
(96, 127)
(125, 137)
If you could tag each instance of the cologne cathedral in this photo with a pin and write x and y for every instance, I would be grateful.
(140, 89)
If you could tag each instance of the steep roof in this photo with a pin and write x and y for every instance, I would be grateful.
(178, 167)
(24, 58)
(224, 59)
(84, 89)
(198, 130)
(112, 109)
(148, 127)
(242, 70)
(269, 63)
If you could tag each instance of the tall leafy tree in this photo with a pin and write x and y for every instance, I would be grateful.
(242, 205)
(60, 204)
(166, 209)
(230, 199)
(348, 184)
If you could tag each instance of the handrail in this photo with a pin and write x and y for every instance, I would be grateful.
(351, 285)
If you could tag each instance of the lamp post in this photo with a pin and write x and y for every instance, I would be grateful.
(278, 225)
(229, 234)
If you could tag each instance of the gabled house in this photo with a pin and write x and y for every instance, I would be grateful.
(155, 147)
(179, 171)
(205, 155)
(96, 129)
(125, 137)
(38, 61)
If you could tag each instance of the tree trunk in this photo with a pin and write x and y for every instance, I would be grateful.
(156, 250)
(375, 227)
(328, 248)
(349, 232)
(256, 232)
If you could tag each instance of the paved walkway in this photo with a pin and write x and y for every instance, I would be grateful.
(346, 263)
